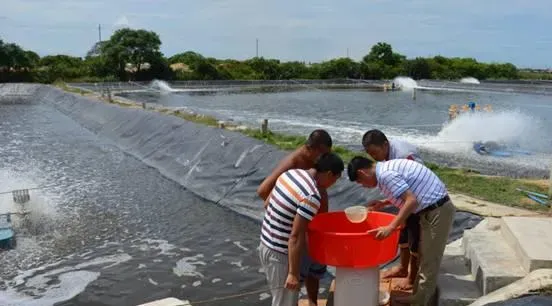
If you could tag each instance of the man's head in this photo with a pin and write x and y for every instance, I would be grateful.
(319, 142)
(362, 170)
(376, 144)
(328, 169)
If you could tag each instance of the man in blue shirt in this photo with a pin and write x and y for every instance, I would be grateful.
(413, 188)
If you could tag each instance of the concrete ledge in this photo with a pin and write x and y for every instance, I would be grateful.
(531, 238)
(457, 286)
(487, 209)
(492, 261)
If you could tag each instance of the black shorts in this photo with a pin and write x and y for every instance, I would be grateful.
(410, 234)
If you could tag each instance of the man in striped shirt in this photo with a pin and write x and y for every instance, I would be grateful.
(304, 157)
(377, 145)
(413, 188)
(292, 204)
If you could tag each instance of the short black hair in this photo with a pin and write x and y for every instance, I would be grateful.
(319, 138)
(373, 137)
(357, 163)
(329, 162)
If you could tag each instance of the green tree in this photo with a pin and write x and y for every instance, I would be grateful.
(266, 69)
(340, 68)
(383, 53)
(189, 58)
(293, 70)
(135, 47)
(418, 68)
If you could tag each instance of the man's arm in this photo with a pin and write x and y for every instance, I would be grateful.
(306, 210)
(266, 186)
(296, 244)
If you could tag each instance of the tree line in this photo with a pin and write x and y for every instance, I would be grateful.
(131, 54)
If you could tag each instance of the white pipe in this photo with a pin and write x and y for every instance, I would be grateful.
(356, 287)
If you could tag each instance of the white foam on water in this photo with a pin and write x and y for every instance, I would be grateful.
(187, 266)
(238, 264)
(196, 283)
(70, 285)
(40, 287)
(405, 83)
(216, 280)
(153, 282)
(239, 245)
(263, 296)
(164, 247)
(470, 80)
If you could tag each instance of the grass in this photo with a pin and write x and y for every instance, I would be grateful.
(501, 190)
(64, 86)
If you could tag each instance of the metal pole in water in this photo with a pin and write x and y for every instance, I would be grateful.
(413, 93)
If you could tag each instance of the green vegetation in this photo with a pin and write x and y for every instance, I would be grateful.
(135, 55)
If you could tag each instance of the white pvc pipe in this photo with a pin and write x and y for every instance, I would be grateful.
(356, 287)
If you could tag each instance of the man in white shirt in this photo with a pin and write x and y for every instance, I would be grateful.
(414, 189)
(377, 145)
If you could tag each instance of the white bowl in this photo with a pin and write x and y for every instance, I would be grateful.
(356, 214)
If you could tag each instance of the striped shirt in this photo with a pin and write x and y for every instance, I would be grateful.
(402, 149)
(398, 175)
(295, 193)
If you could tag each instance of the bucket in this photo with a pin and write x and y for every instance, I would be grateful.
(334, 240)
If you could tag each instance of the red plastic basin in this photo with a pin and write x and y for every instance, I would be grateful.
(334, 240)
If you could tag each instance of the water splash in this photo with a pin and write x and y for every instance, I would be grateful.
(470, 80)
(405, 83)
(163, 86)
(512, 128)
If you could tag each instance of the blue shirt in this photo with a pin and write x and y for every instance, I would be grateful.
(397, 176)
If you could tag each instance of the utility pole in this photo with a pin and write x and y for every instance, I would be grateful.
(99, 32)
(257, 47)
(347, 52)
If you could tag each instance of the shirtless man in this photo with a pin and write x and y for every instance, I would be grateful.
(304, 157)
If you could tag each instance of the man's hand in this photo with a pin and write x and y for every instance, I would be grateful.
(384, 232)
(292, 282)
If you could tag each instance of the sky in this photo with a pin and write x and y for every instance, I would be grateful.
(516, 31)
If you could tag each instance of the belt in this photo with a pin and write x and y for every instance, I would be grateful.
(435, 205)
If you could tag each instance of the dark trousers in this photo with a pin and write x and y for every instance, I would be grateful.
(410, 234)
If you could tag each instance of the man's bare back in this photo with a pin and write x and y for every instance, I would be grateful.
(299, 159)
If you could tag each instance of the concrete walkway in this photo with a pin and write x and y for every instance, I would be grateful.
(489, 209)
